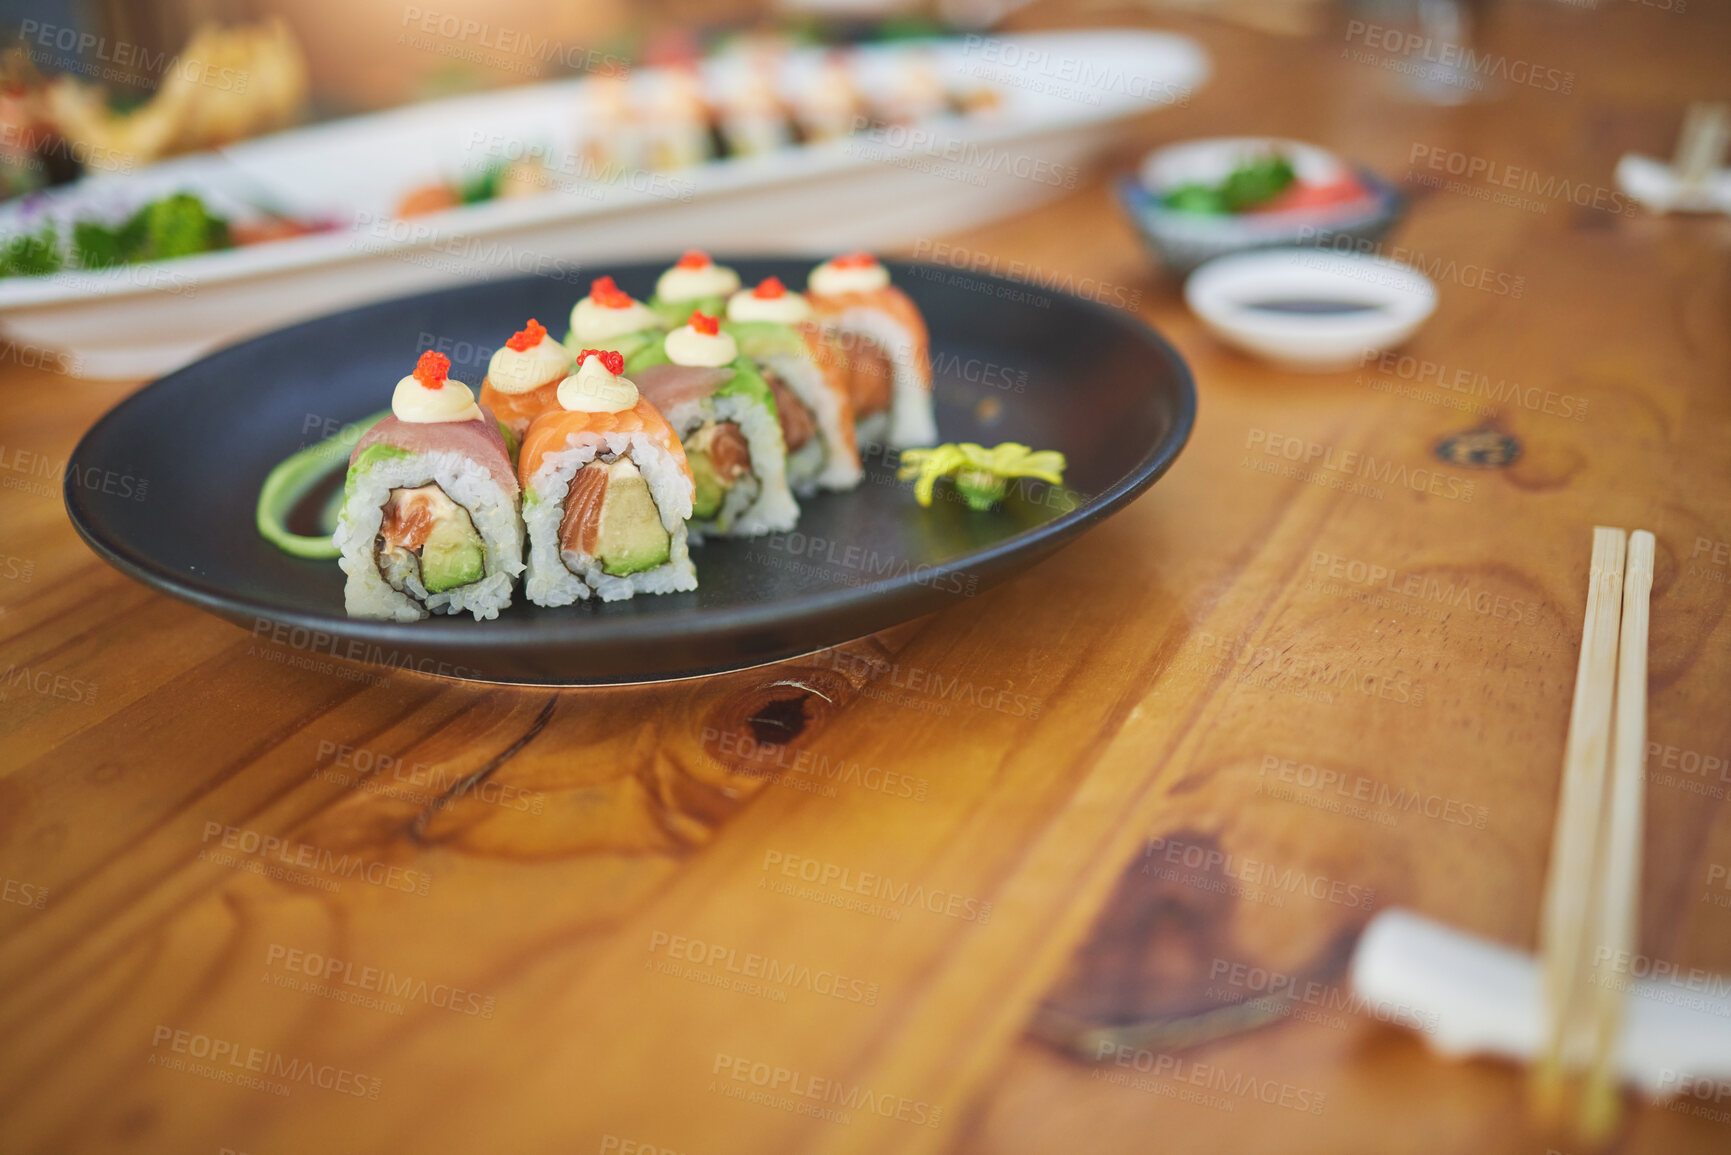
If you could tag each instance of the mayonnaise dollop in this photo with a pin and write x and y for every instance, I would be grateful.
(786, 308)
(592, 322)
(686, 346)
(684, 283)
(511, 371)
(595, 389)
(451, 401)
(832, 280)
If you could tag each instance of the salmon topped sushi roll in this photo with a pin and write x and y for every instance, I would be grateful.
(523, 377)
(879, 337)
(777, 329)
(606, 492)
(429, 521)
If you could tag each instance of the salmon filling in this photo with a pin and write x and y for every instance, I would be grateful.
(797, 423)
(611, 516)
(719, 457)
(426, 539)
(871, 376)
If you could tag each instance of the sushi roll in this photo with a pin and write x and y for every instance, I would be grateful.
(429, 522)
(679, 127)
(725, 416)
(880, 339)
(776, 330)
(694, 284)
(916, 91)
(523, 376)
(607, 490)
(613, 135)
(754, 121)
(612, 320)
(831, 107)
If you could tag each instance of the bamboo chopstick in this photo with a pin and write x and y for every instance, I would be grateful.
(1569, 880)
(1616, 913)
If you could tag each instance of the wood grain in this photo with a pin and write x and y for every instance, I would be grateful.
(1088, 797)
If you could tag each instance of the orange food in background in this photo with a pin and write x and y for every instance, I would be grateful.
(432, 198)
(1314, 196)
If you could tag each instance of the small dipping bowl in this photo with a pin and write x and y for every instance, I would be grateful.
(1311, 310)
(1181, 241)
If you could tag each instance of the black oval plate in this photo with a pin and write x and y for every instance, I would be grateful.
(164, 486)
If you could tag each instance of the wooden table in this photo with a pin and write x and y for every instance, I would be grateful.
(865, 901)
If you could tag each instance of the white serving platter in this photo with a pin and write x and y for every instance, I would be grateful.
(1061, 94)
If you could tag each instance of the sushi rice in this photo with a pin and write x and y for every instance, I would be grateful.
(368, 593)
(759, 502)
(821, 460)
(558, 577)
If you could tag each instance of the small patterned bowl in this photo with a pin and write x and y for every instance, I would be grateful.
(1181, 240)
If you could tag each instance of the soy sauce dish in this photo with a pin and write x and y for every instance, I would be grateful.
(1310, 310)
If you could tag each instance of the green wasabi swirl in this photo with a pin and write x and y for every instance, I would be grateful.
(292, 479)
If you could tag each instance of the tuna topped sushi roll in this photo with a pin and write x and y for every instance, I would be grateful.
(776, 330)
(429, 521)
(607, 491)
(881, 340)
(695, 284)
(523, 376)
(725, 416)
(611, 319)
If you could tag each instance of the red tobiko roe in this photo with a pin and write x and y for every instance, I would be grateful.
(770, 289)
(693, 259)
(432, 369)
(527, 337)
(611, 359)
(609, 295)
(705, 324)
(859, 260)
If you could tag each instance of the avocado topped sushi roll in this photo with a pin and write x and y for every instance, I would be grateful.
(776, 329)
(695, 284)
(522, 377)
(612, 320)
(725, 415)
(880, 338)
(607, 490)
(429, 523)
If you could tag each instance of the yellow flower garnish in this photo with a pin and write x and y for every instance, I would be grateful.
(981, 475)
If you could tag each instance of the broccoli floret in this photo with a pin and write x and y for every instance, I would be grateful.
(484, 185)
(177, 226)
(32, 254)
(99, 246)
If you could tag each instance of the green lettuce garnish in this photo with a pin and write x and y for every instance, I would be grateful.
(174, 226)
(1253, 183)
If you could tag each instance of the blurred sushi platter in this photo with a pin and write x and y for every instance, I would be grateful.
(805, 151)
